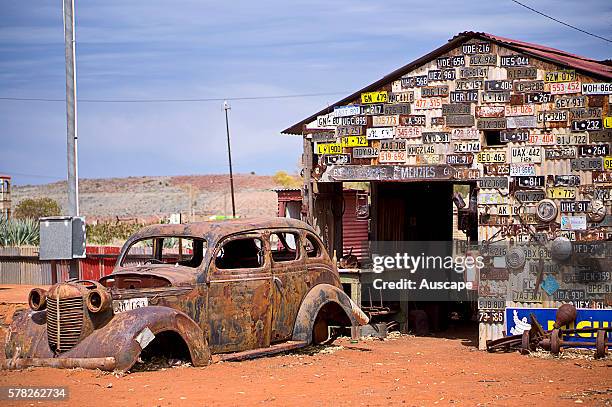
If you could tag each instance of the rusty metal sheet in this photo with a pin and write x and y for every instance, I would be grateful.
(434, 91)
(342, 131)
(398, 108)
(383, 121)
(408, 131)
(491, 124)
(527, 72)
(587, 164)
(519, 110)
(596, 100)
(602, 136)
(489, 111)
(483, 60)
(405, 173)
(413, 120)
(473, 72)
(460, 120)
(585, 113)
(455, 108)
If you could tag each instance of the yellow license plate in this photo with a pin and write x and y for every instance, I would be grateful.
(329, 148)
(560, 76)
(608, 163)
(354, 141)
(488, 157)
(561, 193)
(374, 97)
(608, 122)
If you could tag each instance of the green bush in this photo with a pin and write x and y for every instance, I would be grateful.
(106, 233)
(37, 208)
(286, 180)
(19, 232)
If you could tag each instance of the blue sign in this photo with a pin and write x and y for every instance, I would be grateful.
(518, 321)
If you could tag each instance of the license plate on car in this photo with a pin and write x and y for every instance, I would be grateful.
(130, 304)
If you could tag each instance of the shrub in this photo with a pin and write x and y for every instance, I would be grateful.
(106, 233)
(19, 232)
(286, 180)
(35, 208)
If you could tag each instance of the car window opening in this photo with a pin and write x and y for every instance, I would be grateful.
(240, 253)
(283, 246)
(179, 251)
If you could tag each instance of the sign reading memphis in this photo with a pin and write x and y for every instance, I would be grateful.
(517, 321)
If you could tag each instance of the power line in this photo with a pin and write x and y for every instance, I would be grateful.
(561, 22)
(161, 100)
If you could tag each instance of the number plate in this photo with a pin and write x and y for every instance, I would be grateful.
(518, 136)
(560, 76)
(428, 103)
(568, 102)
(489, 157)
(519, 110)
(459, 159)
(522, 73)
(526, 154)
(434, 91)
(408, 132)
(573, 222)
(490, 111)
(392, 157)
(513, 60)
(594, 150)
(522, 170)
(432, 137)
(465, 134)
(561, 193)
(587, 164)
(380, 133)
(491, 124)
(491, 316)
(483, 60)
(529, 196)
(597, 88)
(496, 97)
(337, 159)
(573, 206)
(374, 97)
(382, 121)
(329, 148)
(572, 139)
(130, 304)
(466, 146)
(365, 152)
(530, 181)
(464, 96)
(562, 153)
(493, 182)
(476, 48)
(564, 87)
(353, 141)
(587, 125)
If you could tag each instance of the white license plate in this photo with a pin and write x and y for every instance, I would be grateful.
(128, 305)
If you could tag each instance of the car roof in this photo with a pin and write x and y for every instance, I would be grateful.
(212, 231)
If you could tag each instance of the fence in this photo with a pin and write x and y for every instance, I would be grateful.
(20, 265)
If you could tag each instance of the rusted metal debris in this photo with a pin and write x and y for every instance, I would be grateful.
(553, 340)
(235, 292)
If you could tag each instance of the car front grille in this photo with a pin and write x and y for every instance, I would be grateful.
(64, 322)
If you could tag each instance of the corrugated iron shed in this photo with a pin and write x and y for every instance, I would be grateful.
(598, 69)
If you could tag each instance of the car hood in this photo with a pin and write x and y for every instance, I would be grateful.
(176, 275)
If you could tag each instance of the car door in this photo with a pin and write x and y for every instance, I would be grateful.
(290, 278)
(240, 283)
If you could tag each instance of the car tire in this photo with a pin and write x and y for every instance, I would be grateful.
(320, 331)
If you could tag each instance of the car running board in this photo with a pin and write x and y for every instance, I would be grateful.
(256, 353)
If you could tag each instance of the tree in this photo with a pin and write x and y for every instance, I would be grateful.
(37, 208)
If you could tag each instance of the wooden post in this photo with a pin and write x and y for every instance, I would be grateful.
(53, 272)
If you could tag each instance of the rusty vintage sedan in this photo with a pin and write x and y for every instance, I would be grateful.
(232, 289)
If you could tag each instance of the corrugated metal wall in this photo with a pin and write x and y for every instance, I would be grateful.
(354, 230)
(20, 265)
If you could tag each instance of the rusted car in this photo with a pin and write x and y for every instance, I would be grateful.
(233, 289)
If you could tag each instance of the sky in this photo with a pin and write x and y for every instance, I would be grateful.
(184, 49)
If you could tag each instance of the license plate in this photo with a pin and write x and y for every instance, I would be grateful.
(392, 157)
(491, 316)
(564, 87)
(128, 305)
(374, 97)
(561, 193)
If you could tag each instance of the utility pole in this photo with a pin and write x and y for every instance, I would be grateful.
(71, 119)
(227, 107)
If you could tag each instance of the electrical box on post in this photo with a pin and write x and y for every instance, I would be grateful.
(62, 238)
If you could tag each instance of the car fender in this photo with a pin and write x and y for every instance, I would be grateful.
(312, 303)
(122, 338)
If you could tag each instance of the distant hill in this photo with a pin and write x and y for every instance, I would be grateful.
(155, 197)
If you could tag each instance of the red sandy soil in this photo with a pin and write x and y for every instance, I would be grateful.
(401, 370)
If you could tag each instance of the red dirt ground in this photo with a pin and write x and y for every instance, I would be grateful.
(411, 371)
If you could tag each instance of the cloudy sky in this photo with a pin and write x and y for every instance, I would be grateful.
(203, 49)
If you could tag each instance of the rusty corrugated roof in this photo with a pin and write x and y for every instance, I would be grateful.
(592, 67)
